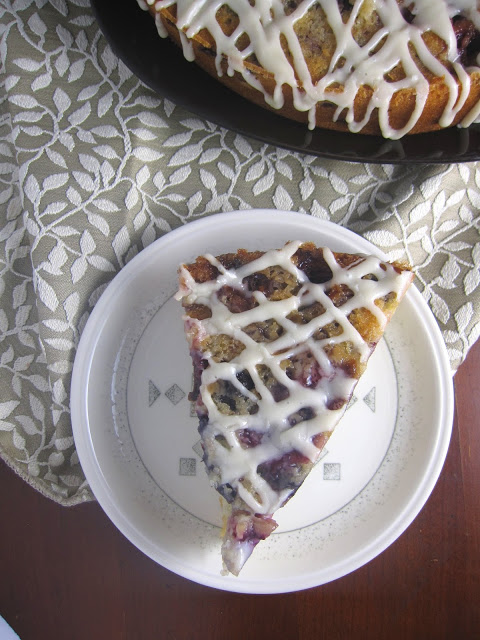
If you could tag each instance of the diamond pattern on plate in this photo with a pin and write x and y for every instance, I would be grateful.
(175, 394)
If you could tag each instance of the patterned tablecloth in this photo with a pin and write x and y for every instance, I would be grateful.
(94, 167)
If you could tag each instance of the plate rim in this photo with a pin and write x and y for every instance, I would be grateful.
(81, 427)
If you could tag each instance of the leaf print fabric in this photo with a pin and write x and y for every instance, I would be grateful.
(94, 167)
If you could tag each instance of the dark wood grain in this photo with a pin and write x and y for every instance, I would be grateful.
(67, 573)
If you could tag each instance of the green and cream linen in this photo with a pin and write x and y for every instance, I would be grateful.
(94, 167)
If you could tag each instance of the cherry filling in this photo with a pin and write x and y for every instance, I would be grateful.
(199, 365)
(248, 438)
(235, 300)
(246, 527)
(339, 294)
(407, 14)
(246, 379)
(468, 39)
(227, 491)
(345, 5)
(306, 413)
(304, 368)
(313, 264)
(274, 282)
(286, 472)
(335, 404)
(279, 392)
(259, 282)
(202, 423)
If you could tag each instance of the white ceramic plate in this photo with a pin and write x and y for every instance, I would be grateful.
(138, 443)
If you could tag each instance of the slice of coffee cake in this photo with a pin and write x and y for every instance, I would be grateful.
(278, 340)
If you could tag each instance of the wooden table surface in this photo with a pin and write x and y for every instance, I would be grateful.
(68, 573)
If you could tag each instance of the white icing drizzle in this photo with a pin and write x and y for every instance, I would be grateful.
(162, 30)
(266, 22)
(272, 417)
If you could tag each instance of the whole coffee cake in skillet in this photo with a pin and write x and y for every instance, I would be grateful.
(389, 67)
